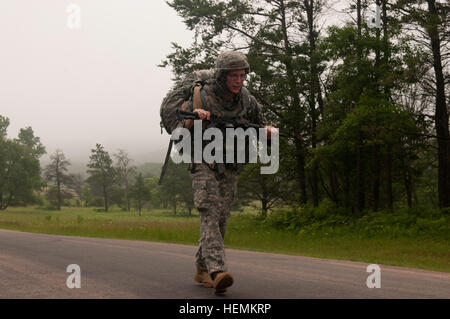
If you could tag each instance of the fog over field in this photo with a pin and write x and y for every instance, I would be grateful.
(95, 84)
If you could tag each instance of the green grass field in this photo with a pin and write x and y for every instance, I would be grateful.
(244, 231)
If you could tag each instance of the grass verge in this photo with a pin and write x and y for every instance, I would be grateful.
(244, 231)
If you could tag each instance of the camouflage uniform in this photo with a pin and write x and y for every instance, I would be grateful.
(213, 193)
(213, 198)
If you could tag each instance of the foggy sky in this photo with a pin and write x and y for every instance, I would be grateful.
(96, 84)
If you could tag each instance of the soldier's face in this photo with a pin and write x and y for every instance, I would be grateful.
(235, 80)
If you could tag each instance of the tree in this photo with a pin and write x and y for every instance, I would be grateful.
(56, 196)
(76, 183)
(19, 166)
(90, 199)
(269, 190)
(158, 198)
(140, 192)
(56, 172)
(124, 170)
(432, 18)
(187, 196)
(4, 123)
(32, 144)
(176, 187)
(102, 175)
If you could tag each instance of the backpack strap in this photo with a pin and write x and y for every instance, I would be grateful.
(198, 101)
(245, 102)
(197, 97)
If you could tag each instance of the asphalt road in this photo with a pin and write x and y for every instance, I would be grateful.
(34, 266)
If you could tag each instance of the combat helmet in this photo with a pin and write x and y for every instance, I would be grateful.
(230, 61)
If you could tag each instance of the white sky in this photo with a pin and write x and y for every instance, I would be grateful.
(96, 84)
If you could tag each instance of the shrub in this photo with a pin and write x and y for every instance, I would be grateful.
(333, 220)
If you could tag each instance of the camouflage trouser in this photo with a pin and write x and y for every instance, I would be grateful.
(213, 198)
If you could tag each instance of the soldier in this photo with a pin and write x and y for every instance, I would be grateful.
(224, 96)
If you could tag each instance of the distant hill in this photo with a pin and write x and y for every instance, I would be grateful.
(147, 169)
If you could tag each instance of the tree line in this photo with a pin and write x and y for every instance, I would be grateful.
(365, 107)
(112, 179)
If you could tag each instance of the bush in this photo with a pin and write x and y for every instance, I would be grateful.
(326, 215)
(328, 219)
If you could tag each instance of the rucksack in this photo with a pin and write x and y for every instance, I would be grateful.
(178, 97)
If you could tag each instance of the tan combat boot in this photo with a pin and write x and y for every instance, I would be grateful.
(203, 277)
(222, 281)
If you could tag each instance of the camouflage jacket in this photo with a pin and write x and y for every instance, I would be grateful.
(242, 106)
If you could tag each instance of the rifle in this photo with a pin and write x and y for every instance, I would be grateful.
(166, 161)
(218, 122)
(214, 121)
